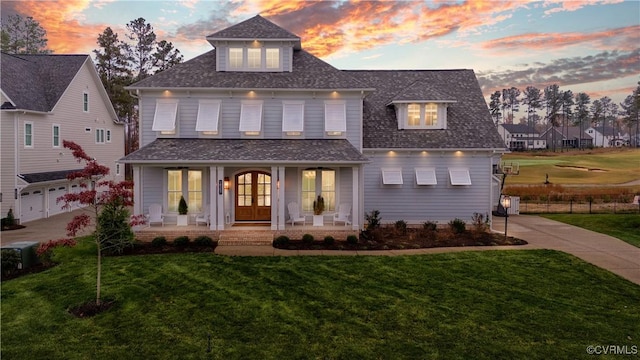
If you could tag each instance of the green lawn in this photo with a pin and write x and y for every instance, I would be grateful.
(533, 304)
(625, 227)
(605, 167)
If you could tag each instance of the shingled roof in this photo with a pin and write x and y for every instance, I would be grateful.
(247, 150)
(36, 82)
(309, 72)
(255, 28)
(469, 124)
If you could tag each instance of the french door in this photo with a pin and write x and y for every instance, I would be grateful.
(253, 196)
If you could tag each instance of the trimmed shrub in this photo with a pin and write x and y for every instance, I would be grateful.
(430, 226)
(10, 261)
(307, 238)
(159, 241)
(181, 241)
(373, 219)
(401, 227)
(281, 240)
(480, 222)
(203, 240)
(458, 226)
(329, 240)
(352, 239)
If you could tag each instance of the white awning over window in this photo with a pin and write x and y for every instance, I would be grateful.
(165, 116)
(208, 115)
(251, 116)
(293, 116)
(392, 176)
(459, 176)
(426, 176)
(335, 116)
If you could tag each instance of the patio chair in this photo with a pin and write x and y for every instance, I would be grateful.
(203, 218)
(344, 211)
(294, 214)
(155, 214)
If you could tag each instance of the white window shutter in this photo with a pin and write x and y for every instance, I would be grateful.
(165, 116)
(251, 116)
(335, 116)
(293, 116)
(392, 176)
(208, 115)
(459, 177)
(426, 176)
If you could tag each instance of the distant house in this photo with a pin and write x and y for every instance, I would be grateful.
(518, 137)
(608, 136)
(47, 99)
(258, 126)
(567, 137)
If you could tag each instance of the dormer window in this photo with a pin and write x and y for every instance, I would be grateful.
(254, 58)
(421, 115)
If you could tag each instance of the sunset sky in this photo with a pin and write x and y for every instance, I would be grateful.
(590, 46)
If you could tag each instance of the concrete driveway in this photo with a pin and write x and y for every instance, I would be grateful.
(40, 230)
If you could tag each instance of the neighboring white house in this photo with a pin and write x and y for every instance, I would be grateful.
(607, 136)
(46, 99)
(521, 137)
(258, 123)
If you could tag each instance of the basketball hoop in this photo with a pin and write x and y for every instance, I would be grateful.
(511, 168)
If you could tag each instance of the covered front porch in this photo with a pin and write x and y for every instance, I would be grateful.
(248, 183)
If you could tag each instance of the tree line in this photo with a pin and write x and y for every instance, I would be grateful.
(119, 62)
(563, 108)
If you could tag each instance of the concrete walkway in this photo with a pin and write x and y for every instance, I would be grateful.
(601, 250)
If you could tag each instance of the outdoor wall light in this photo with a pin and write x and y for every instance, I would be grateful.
(226, 183)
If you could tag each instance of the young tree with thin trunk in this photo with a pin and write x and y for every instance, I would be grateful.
(107, 202)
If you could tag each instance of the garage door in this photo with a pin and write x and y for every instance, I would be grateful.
(54, 193)
(31, 205)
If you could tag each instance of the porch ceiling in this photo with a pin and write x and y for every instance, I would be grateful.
(247, 150)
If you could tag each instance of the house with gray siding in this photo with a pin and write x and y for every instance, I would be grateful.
(257, 124)
(46, 99)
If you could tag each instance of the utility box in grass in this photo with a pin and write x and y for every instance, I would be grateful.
(27, 252)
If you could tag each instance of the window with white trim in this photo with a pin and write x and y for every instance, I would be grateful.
(235, 58)
(28, 134)
(85, 101)
(272, 58)
(251, 117)
(55, 135)
(421, 115)
(208, 116)
(293, 117)
(318, 182)
(108, 135)
(335, 117)
(117, 169)
(174, 189)
(254, 59)
(459, 176)
(426, 176)
(164, 119)
(392, 176)
(193, 192)
(99, 136)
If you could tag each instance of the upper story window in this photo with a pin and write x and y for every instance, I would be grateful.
(55, 136)
(28, 134)
(251, 117)
(208, 117)
(254, 59)
(335, 117)
(99, 136)
(164, 119)
(85, 101)
(421, 115)
(293, 117)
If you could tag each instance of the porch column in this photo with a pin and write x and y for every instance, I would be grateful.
(137, 191)
(275, 198)
(213, 196)
(355, 206)
(220, 197)
(281, 200)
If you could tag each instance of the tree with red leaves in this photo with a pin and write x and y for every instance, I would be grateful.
(108, 203)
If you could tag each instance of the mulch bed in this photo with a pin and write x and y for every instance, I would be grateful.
(91, 308)
(388, 239)
(12, 227)
(148, 248)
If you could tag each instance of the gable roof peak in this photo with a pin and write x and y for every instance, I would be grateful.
(255, 28)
